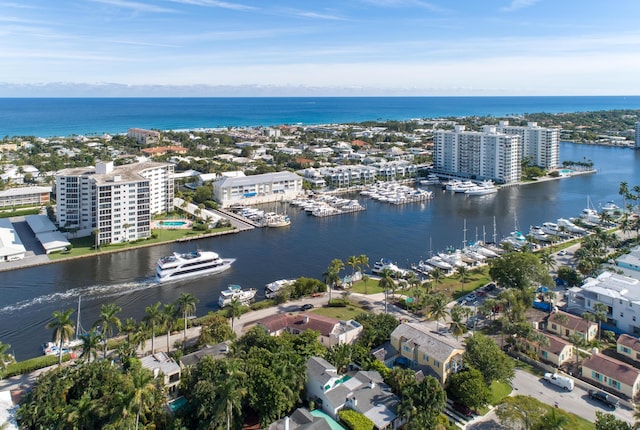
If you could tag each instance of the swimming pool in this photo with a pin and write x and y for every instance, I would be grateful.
(332, 423)
(565, 171)
(173, 223)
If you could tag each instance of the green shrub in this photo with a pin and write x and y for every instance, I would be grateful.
(27, 366)
(337, 303)
(355, 420)
(262, 304)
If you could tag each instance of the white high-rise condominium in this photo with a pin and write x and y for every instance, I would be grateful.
(481, 155)
(540, 144)
(117, 202)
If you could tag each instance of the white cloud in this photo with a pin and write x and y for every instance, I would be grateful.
(215, 3)
(518, 4)
(406, 3)
(136, 6)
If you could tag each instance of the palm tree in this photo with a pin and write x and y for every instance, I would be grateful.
(169, 314)
(547, 259)
(438, 308)
(232, 390)
(462, 273)
(143, 392)
(365, 279)
(108, 323)
(153, 317)
(437, 275)
(96, 236)
(353, 262)
(234, 310)
(386, 283)
(187, 305)
(63, 329)
(363, 261)
(457, 327)
(129, 326)
(90, 345)
(600, 313)
(332, 275)
(552, 420)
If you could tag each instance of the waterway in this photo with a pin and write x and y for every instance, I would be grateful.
(403, 234)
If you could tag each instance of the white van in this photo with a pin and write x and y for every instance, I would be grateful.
(563, 382)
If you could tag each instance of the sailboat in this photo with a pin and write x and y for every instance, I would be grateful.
(51, 348)
(589, 214)
(275, 219)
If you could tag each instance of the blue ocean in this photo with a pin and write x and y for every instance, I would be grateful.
(46, 117)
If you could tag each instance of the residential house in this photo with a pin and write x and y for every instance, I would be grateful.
(162, 150)
(587, 330)
(217, 352)
(419, 345)
(607, 372)
(301, 419)
(163, 365)
(332, 331)
(362, 391)
(557, 352)
(620, 294)
(629, 347)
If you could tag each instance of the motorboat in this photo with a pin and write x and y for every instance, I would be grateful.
(458, 186)
(482, 189)
(551, 228)
(590, 215)
(567, 225)
(610, 207)
(454, 258)
(432, 179)
(437, 262)
(422, 268)
(236, 292)
(383, 264)
(191, 264)
(537, 233)
(516, 239)
(271, 289)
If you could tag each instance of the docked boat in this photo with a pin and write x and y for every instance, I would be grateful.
(551, 228)
(439, 263)
(383, 264)
(567, 225)
(277, 220)
(189, 265)
(590, 215)
(537, 233)
(516, 239)
(236, 292)
(432, 179)
(458, 186)
(482, 189)
(271, 289)
(610, 207)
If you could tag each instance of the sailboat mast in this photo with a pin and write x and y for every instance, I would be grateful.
(78, 318)
(495, 234)
(464, 235)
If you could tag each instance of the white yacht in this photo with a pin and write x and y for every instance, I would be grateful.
(610, 207)
(439, 263)
(570, 227)
(482, 189)
(271, 289)
(277, 220)
(383, 263)
(537, 233)
(551, 228)
(432, 179)
(189, 265)
(590, 215)
(236, 292)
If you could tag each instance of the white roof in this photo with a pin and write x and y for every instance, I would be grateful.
(10, 243)
(612, 285)
(21, 191)
(40, 223)
(52, 241)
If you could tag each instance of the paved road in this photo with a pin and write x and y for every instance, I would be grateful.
(576, 401)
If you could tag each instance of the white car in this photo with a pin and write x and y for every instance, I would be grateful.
(563, 382)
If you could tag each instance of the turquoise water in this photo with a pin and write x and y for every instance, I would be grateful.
(177, 403)
(46, 117)
(565, 171)
(332, 423)
(173, 223)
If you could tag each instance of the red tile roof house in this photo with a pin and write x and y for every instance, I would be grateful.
(557, 352)
(332, 331)
(614, 375)
(629, 347)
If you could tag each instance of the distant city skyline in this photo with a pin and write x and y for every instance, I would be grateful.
(165, 48)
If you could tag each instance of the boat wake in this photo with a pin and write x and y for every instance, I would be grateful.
(94, 291)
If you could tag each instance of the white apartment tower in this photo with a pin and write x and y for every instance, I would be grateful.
(541, 144)
(482, 154)
(119, 201)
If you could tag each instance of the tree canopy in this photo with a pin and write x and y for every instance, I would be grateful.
(482, 353)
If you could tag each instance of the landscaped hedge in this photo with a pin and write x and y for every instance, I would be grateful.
(355, 420)
(26, 366)
(24, 212)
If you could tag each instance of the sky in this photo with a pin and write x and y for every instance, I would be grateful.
(319, 47)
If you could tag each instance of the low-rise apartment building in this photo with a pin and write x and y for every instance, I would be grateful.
(612, 374)
(566, 325)
(255, 189)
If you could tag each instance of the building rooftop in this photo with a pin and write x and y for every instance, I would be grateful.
(437, 344)
(612, 368)
(21, 191)
(613, 285)
(300, 322)
(629, 341)
(124, 173)
(574, 322)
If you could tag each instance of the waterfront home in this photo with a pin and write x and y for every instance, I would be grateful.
(217, 352)
(629, 347)
(557, 352)
(607, 372)
(565, 324)
(331, 331)
(301, 419)
(362, 391)
(620, 294)
(419, 346)
(163, 366)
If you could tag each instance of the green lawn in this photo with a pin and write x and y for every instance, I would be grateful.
(372, 287)
(84, 245)
(347, 313)
(499, 390)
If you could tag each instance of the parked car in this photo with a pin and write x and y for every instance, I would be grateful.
(605, 398)
(563, 382)
(463, 409)
(306, 307)
(490, 286)
(562, 252)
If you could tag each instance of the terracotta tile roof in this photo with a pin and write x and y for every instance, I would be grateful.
(299, 322)
(556, 344)
(574, 322)
(629, 341)
(361, 143)
(612, 368)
